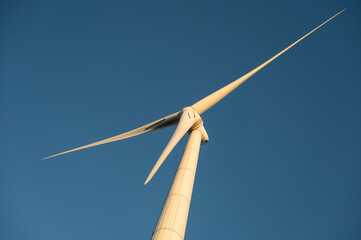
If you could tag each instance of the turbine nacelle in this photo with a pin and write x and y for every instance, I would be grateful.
(205, 138)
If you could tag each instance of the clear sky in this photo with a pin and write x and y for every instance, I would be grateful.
(284, 156)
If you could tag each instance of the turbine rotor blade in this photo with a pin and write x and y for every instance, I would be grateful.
(186, 121)
(207, 102)
(159, 124)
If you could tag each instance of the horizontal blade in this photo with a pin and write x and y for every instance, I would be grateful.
(207, 102)
(186, 121)
(159, 124)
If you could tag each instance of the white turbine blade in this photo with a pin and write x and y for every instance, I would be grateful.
(186, 121)
(207, 102)
(159, 124)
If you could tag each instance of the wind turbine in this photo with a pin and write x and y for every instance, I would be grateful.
(173, 219)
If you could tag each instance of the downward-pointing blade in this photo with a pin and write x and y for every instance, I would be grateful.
(207, 102)
(186, 121)
(160, 123)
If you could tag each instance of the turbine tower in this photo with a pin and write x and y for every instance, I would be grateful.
(173, 219)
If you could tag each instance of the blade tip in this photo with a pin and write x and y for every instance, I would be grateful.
(146, 181)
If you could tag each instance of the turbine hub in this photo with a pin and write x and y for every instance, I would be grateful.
(193, 115)
(198, 124)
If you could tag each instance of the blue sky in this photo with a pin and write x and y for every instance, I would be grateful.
(283, 161)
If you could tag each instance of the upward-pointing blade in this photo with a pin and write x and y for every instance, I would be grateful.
(186, 121)
(207, 102)
(159, 124)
